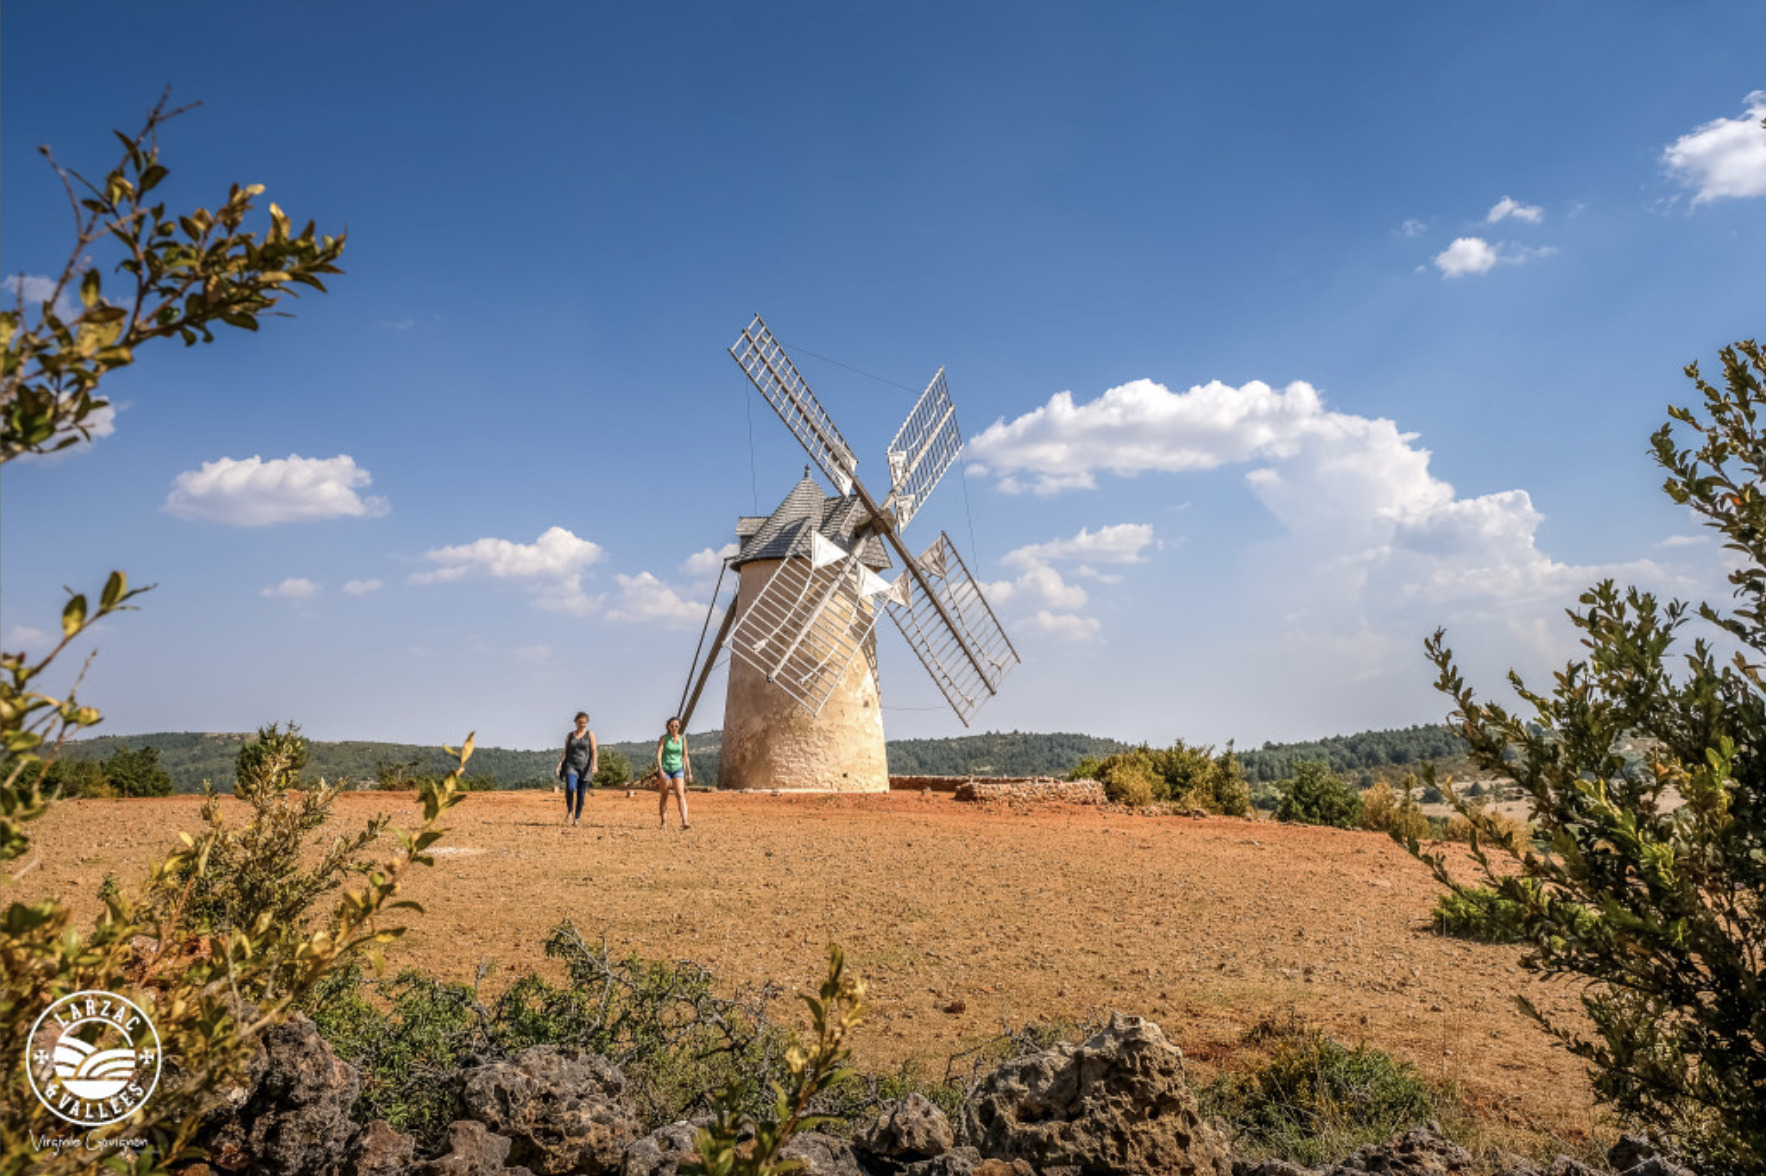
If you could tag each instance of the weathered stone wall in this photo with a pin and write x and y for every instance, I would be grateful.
(1032, 789)
(772, 742)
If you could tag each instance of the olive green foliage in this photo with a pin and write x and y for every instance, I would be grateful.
(1658, 909)
(1190, 777)
(677, 1040)
(127, 772)
(1480, 913)
(724, 1148)
(1315, 795)
(1312, 1100)
(259, 877)
(182, 275)
(1385, 809)
(612, 769)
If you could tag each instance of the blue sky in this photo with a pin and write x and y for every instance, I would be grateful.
(1281, 334)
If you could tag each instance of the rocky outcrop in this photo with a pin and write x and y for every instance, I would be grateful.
(1421, 1151)
(292, 1116)
(1116, 1105)
(378, 1150)
(472, 1151)
(661, 1152)
(565, 1110)
(821, 1155)
(913, 1129)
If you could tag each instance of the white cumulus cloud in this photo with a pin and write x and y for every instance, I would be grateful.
(361, 587)
(1467, 255)
(550, 568)
(1474, 255)
(1064, 626)
(708, 561)
(1355, 495)
(645, 600)
(252, 492)
(1510, 207)
(293, 588)
(1724, 158)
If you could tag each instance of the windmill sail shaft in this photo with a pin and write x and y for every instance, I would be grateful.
(952, 629)
(762, 357)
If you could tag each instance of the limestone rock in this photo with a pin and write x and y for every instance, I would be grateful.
(379, 1151)
(1421, 1151)
(821, 1155)
(958, 1161)
(661, 1152)
(472, 1151)
(1117, 1105)
(565, 1111)
(1003, 1168)
(293, 1117)
(912, 1129)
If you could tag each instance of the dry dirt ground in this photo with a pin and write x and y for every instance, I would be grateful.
(1030, 914)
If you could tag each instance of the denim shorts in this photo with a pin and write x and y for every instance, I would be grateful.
(679, 774)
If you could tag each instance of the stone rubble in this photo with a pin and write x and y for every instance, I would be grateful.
(1114, 1105)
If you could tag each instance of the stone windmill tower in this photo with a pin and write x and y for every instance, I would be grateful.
(803, 709)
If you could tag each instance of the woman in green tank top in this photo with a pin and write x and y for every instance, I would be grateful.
(675, 767)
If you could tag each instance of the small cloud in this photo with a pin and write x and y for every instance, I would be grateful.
(361, 587)
(1725, 158)
(1119, 543)
(1467, 255)
(1065, 626)
(704, 563)
(1474, 255)
(1686, 541)
(33, 290)
(293, 588)
(1508, 207)
(645, 600)
(25, 637)
(1413, 228)
(550, 567)
(252, 492)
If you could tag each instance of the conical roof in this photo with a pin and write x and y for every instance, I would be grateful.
(786, 531)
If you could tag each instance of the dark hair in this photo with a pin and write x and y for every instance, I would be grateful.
(672, 719)
(583, 715)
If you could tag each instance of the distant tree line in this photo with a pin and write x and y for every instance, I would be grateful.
(1361, 755)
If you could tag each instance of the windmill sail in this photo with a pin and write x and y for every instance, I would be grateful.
(809, 621)
(924, 448)
(968, 657)
(763, 358)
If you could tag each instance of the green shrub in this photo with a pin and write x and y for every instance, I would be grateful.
(1477, 912)
(613, 769)
(1654, 907)
(1197, 778)
(1312, 1100)
(1315, 795)
(1130, 778)
(1385, 810)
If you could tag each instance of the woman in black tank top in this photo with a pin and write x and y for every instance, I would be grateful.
(576, 767)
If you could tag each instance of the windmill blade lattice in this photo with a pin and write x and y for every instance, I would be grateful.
(771, 371)
(925, 447)
(967, 658)
(809, 621)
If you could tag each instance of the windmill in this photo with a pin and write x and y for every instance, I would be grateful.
(803, 708)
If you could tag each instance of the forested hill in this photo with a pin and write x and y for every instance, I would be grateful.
(1367, 751)
(193, 757)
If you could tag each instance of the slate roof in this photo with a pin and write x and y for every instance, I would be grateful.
(785, 532)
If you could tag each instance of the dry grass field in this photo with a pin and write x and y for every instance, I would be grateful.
(1010, 915)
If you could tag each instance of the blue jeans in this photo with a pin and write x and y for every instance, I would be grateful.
(576, 790)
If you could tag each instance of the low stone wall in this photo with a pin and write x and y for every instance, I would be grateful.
(1032, 789)
(926, 783)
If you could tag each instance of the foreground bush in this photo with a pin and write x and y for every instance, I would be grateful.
(1660, 910)
(1311, 1100)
